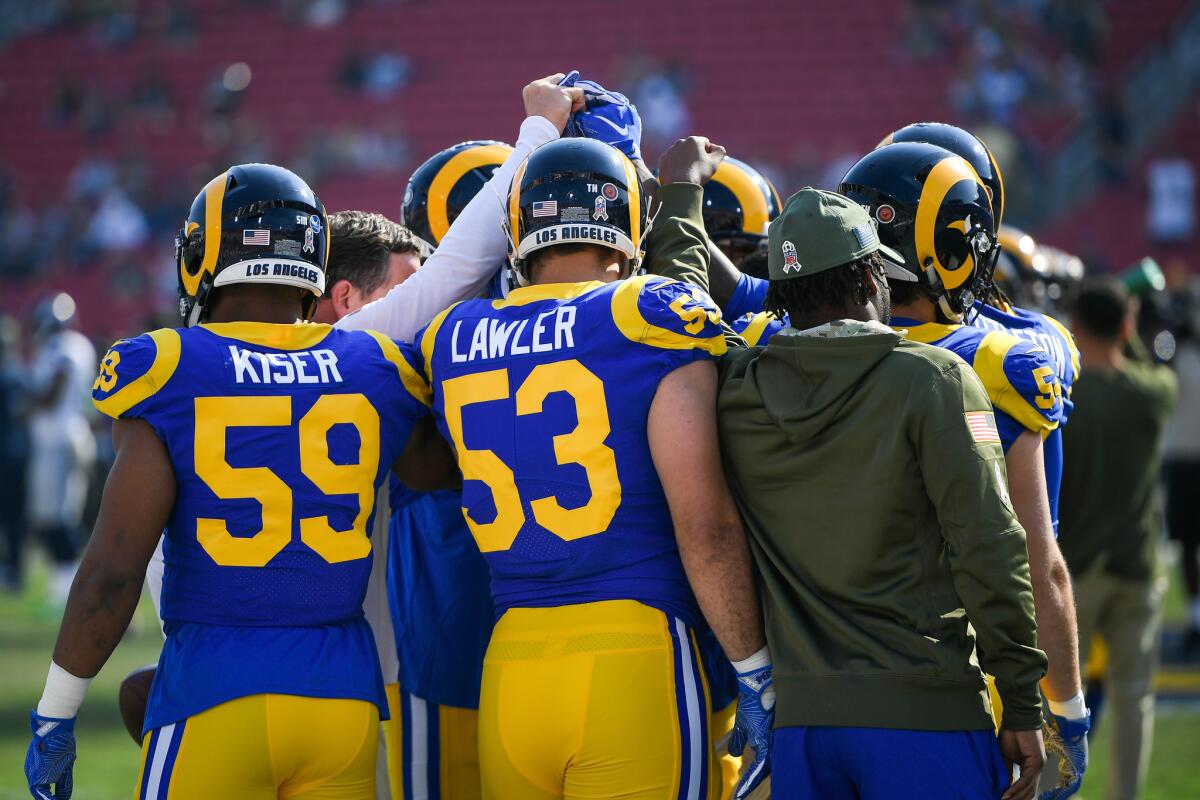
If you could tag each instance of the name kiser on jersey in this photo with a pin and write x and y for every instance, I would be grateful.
(574, 233)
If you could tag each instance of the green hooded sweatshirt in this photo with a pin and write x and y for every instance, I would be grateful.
(893, 567)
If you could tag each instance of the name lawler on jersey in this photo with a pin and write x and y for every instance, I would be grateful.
(494, 338)
(303, 366)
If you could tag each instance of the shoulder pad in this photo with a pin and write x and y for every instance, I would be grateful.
(667, 314)
(133, 370)
(1020, 380)
(1069, 341)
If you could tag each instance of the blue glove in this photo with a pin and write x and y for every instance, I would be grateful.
(1067, 738)
(609, 118)
(752, 725)
(51, 757)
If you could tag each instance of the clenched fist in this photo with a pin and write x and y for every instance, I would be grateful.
(690, 160)
(547, 98)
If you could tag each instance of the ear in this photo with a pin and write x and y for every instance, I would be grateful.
(870, 282)
(341, 296)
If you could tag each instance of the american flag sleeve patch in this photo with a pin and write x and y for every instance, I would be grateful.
(983, 426)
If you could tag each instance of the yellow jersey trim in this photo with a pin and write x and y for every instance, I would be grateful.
(430, 338)
(546, 291)
(630, 322)
(754, 331)
(1070, 340)
(166, 360)
(928, 332)
(450, 173)
(989, 366)
(294, 336)
(412, 381)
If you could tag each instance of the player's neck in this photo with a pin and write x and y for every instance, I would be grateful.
(1098, 354)
(250, 303)
(921, 310)
(576, 268)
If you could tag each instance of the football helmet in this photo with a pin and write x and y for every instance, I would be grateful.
(53, 314)
(576, 191)
(962, 143)
(440, 188)
(930, 205)
(739, 203)
(1021, 269)
(253, 223)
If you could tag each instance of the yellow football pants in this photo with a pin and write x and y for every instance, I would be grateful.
(262, 747)
(728, 766)
(433, 750)
(596, 700)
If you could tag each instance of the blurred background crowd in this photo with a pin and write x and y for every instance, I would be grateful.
(115, 112)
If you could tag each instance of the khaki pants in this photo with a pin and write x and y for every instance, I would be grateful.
(1127, 614)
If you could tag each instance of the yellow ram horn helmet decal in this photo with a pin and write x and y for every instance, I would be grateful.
(945, 175)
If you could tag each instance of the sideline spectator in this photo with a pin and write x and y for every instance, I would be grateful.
(1109, 527)
(14, 453)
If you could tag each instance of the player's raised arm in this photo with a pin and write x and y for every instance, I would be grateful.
(138, 497)
(475, 245)
(677, 246)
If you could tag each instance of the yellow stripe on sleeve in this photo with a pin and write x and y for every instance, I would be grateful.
(989, 366)
(629, 320)
(754, 331)
(429, 339)
(166, 359)
(414, 383)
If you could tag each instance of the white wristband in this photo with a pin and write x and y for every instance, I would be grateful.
(63, 694)
(755, 662)
(1074, 708)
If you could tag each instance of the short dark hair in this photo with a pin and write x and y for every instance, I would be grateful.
(837, 287)
(360, 246)
(906, 292)
(755, 264)
(1100, 307)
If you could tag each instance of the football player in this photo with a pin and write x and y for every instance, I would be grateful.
(62, 447)
(933, 206)
(441, 606)
(567, 404)
(435, 721)
(739, 203)
(258, 443)
(995, 311)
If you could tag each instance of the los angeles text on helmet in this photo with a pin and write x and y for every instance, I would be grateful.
(278, 269)
(576, 233)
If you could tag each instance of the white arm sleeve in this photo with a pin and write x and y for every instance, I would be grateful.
(154, 579)
(466, 258)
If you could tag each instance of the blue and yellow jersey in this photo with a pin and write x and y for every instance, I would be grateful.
(545, 397)
(757, 328)
(440, 597)
(1049, 334)
(1019, 377)
(279, 436)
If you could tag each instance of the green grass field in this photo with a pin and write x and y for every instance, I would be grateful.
(108, 759)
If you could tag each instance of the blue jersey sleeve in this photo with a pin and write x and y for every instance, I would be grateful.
(407, 361)
(133, 371)
(749, 297)
(1021, 381)
(668, 315)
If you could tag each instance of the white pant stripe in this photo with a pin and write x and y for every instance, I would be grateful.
(694, 745)
(158, 759)
(419, 730)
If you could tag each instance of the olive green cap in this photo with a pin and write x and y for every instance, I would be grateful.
(820, 230)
